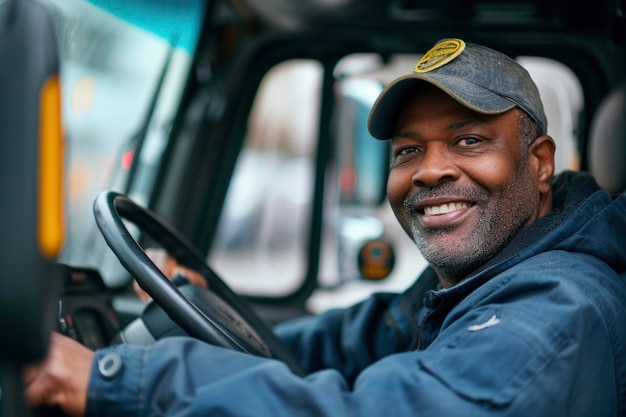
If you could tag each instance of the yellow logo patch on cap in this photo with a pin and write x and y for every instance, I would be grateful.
(440, 54)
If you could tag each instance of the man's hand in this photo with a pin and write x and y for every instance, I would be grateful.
(170, 267)
(62, 378)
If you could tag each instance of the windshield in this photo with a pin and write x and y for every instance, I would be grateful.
(123, 67)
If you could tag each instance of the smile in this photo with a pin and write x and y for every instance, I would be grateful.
(444, 208)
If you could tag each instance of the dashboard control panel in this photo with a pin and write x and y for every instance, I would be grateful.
(86, 311)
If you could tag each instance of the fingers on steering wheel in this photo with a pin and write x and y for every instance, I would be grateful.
(192, 275)
(170, 268)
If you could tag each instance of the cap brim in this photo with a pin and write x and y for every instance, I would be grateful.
(385, 110)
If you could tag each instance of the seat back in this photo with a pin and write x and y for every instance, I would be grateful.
(607, 141)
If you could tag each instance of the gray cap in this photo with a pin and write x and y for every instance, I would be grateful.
(481, 79)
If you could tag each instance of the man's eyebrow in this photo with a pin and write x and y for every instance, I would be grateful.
(405, 134)
(411, 134)
(464, 123)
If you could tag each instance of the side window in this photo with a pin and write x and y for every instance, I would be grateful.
(364, 249)
(261, 245)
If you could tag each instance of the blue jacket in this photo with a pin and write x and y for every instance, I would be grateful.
(540, 330)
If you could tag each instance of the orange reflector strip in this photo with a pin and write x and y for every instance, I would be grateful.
(51, 225)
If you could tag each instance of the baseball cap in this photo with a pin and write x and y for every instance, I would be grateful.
(480, 78)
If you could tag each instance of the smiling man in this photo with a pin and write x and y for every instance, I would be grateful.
(463, 184)
(521, 312)
(471, 162)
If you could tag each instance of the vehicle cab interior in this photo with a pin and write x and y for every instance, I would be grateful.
(233, 134)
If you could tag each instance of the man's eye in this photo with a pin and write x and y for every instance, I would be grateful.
(469, 141)
(408, 150)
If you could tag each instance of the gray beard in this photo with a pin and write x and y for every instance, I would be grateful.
(496, 228)
(459, 265)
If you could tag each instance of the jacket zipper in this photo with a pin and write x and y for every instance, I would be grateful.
(419, 331)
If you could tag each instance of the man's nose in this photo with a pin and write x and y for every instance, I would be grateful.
(436, 166)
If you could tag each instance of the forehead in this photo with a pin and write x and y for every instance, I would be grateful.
(428, 104)
(425, 99)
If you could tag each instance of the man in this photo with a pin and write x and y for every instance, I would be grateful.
(521, 312)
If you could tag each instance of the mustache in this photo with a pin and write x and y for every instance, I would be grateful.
(472, 193)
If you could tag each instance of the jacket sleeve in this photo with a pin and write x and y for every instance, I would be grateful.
(347, 340)
(524, 350)
(182, 376)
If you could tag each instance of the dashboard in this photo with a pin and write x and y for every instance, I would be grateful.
(86, 311)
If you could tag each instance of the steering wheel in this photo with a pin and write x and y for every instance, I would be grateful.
(217, 316)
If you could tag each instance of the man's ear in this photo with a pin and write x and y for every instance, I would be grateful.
(541, 155)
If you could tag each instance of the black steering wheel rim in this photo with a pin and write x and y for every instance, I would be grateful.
(110, 208)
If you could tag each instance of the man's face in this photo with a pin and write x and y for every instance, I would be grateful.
(460, 183)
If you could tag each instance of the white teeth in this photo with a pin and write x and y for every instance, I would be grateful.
(444, 208)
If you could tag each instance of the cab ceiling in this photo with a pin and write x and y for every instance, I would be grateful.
(598, 16)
